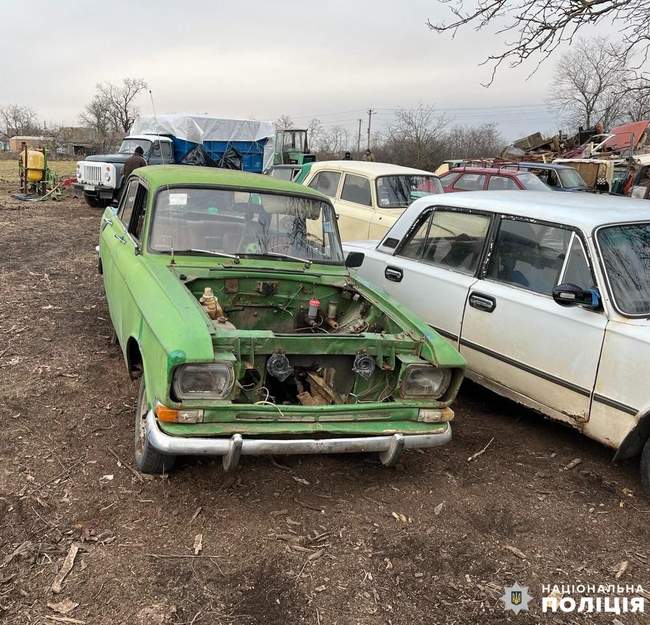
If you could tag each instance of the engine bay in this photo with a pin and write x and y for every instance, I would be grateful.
(289, 308)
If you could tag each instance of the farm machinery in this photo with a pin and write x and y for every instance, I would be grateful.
(37, 180)
(292, 148)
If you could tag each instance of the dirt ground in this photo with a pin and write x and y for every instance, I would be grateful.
(286, 540)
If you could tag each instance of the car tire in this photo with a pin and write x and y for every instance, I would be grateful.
(95, 202)
(147, 459)
(645, 468)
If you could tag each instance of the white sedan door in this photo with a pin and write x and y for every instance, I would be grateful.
(517, 339)
(354, 208)
(431, 270)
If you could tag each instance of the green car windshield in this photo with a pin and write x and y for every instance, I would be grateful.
(210, 221)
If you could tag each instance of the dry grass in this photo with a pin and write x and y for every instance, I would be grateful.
(9, 169)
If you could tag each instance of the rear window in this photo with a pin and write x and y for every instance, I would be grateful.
(470, 182)
(448, 179)
(502, 183)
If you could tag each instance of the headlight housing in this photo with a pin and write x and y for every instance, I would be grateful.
(425, 381)
(204, 381)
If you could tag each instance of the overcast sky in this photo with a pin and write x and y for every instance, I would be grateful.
(253, 58)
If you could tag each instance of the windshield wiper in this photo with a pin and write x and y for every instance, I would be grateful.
(305, 261)
(290, 257)
(193, 250)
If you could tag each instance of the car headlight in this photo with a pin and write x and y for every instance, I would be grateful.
(425, 381)
(206, 381)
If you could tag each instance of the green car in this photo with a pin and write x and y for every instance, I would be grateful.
(234, 307)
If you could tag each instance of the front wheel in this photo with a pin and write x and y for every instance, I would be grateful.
(645, 468)
(147, 459)
(95, 202)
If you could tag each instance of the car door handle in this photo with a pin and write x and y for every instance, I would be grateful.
(106, 222)
(483, 302)
(394, 274)
(120, 238)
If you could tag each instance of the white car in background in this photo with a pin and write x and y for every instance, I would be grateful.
(369, 197)
(546, 295)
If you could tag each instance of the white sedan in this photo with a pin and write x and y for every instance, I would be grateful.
(546, 295)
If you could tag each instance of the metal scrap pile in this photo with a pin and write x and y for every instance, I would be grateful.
(616, 162)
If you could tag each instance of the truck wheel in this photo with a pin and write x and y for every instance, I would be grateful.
(147, 459)
(95, 202)
(645, 468)
(91, 200)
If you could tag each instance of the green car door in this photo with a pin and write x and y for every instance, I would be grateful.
(119, 246)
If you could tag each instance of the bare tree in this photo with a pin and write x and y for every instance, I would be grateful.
(535, 28)
(97, 115)
(588, 83)
(119, 101)
(417, 138)
(635, 104)
(333, 143)
(283, 122)
(412, 138)
(469, 142)
(19, 120)
(315, 132)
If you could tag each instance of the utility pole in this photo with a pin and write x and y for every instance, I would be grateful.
(370, 112)
(359, 139)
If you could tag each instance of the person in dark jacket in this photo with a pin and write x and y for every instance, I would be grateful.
(133, 162)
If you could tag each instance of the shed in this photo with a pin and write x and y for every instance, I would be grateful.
(32, 141)
(76, 141)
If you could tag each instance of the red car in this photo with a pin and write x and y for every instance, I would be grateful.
(491, 178)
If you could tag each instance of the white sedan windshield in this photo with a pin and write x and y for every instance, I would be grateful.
(626, 255)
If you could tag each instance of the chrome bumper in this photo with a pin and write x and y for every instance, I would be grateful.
(389, 447)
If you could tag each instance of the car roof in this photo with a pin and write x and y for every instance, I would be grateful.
(368, 168)
(545, 165)
(178, 175)
(506, 170)
(580, 210)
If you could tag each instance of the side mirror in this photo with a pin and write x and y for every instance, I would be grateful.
(354, 259)
(568, 294)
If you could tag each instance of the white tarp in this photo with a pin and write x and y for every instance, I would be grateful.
(201, 128)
